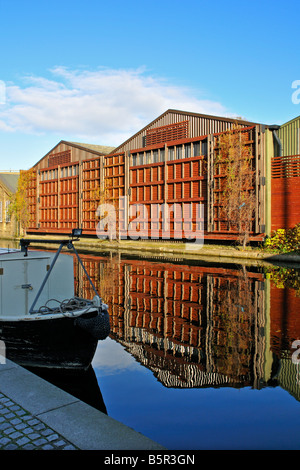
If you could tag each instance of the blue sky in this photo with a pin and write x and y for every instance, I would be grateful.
(96, 71)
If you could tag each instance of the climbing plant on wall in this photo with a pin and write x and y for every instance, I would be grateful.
(234, 161)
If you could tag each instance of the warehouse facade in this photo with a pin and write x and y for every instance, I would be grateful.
(170, 162)
(59, 193)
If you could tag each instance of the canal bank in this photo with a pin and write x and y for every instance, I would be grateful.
(36, 415)
(160, 249)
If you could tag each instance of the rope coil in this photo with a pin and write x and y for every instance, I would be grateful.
(66, 306)
(98, 326)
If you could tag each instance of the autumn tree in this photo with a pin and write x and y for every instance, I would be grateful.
(106, 208)
(234, 161)
(19, 201)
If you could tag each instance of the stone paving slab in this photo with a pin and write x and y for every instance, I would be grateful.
(35, 414)
(20, 430)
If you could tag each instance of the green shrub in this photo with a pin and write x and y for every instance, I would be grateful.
(284, 240)
(284, 278)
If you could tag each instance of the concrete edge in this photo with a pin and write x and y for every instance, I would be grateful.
(165, 249)
(79, 423)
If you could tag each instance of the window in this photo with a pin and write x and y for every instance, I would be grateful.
(178, 152)
(133, 159)
(1, 219)
(7, 215)
(187, 150)
(155, 156)
(148, 157)
(196, 147)
(171, 153)
(162, 155)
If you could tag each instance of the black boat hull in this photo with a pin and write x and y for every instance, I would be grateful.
(54, 343)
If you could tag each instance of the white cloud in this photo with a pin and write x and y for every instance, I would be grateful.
(105, 106)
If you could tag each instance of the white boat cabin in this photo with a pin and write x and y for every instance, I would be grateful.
(22, 276)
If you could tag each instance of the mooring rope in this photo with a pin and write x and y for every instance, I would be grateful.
(66, 306)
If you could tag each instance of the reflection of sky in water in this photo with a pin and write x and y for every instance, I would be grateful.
(111, 358)
(207, 418)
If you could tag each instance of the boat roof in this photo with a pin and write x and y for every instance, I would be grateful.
(13, 253)
(4, 251)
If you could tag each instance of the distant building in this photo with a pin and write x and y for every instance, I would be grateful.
(8, 186)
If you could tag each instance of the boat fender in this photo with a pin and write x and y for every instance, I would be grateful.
(98, 326)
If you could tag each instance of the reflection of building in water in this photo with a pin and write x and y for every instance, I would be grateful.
(206, 317)
(174, 370)
(191, 325)
(285, 327)
(288, 376)
(285, 321)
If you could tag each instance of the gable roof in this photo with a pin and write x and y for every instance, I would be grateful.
(291, 121)
(172, 116)
(9, 181)
(92, 148)
(101, 149)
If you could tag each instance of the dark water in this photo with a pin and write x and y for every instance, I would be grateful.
(200, 356)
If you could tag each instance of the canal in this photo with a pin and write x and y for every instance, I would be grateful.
(200, 355)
